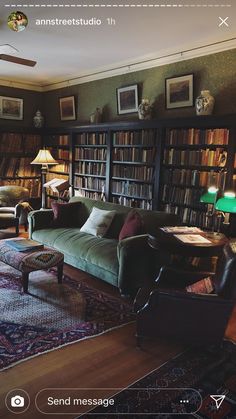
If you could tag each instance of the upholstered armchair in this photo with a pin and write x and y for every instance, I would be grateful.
(14, 206)
(170, 311)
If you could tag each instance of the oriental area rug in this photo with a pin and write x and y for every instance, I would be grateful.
(52, 315)
(209, 372)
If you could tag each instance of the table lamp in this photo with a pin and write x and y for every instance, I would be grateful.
(210, 198)
(44, 158)
(227, 204)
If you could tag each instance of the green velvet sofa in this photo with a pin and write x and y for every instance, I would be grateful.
(126, 264)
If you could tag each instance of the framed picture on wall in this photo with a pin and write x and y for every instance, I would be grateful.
(67, 108)
(179, 91)
(127, 99)
(11, 108)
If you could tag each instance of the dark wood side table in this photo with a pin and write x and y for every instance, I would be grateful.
(167, 242)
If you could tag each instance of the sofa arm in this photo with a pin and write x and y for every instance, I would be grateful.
(135, 258)
(39, 219)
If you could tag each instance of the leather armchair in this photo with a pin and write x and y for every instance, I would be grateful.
(13, 206)
(177, 314)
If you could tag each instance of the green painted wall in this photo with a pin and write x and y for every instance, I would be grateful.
(216, 72)
(32, 102)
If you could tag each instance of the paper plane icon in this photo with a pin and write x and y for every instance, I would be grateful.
(218, 399)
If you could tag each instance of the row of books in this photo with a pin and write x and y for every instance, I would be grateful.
(134, 203)
(202, 157)
(90, 168)
(145, 137)
(134, 154)
(133, 172)
(91, 138)
(34, 185)
(16, 166)
(62, 167)
(190, 216)
(187, 177)
(132, 189)
(55, 140)
(89, 183)
(197, 136)
(60, 154)
(17, 143)
(88, 194)
(90, 153)
(186, 196)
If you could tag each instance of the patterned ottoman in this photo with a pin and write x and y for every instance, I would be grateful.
(30, 261)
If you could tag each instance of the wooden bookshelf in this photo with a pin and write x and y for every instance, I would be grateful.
(17, 150)
(90, 163)
(196, 154)
(133, 167)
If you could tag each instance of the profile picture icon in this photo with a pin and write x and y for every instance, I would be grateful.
(17, 21)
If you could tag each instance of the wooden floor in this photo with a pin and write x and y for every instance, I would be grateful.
(109, 360)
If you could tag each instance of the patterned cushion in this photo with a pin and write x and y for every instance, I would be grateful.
(204, 286)
(98, 222)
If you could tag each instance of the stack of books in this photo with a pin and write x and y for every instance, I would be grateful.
(24, 245)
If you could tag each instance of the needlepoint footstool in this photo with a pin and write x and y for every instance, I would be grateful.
(30, 261)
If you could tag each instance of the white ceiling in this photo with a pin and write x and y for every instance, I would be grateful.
(140, 34)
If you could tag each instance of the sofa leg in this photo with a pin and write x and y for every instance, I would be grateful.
(17, 229)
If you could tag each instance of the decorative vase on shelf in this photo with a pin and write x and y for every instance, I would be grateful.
(96, 116)
(145, 109)
(205, 103)
(38, 120)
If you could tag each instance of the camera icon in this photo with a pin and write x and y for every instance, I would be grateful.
(17, 401)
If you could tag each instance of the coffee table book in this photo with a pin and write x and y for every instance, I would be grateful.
(24, 245)
(192, 238)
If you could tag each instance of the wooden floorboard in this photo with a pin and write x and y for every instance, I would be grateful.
(109, 360)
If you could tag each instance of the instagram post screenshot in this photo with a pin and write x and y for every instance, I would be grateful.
(118, 209)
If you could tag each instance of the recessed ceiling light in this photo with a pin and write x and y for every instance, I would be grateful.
(8, 49)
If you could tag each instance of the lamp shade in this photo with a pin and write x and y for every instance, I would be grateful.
(44, 157)
(210, 196)
(227, 203)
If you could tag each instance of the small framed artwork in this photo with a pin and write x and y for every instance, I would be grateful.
(127, 99)
(11, 108)
(179, 91)
(67, 108)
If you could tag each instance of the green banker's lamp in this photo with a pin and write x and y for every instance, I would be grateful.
(227, 204)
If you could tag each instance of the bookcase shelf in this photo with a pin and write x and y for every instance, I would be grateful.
(17, 150)
(196, 155)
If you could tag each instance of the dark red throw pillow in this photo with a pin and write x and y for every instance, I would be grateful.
(65, 214)
(132, 226)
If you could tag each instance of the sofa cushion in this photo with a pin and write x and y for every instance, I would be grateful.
(132, 226)
(77, 245)
(65, 214)
(98, 222)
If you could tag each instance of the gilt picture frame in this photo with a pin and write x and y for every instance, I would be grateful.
(11, 108)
